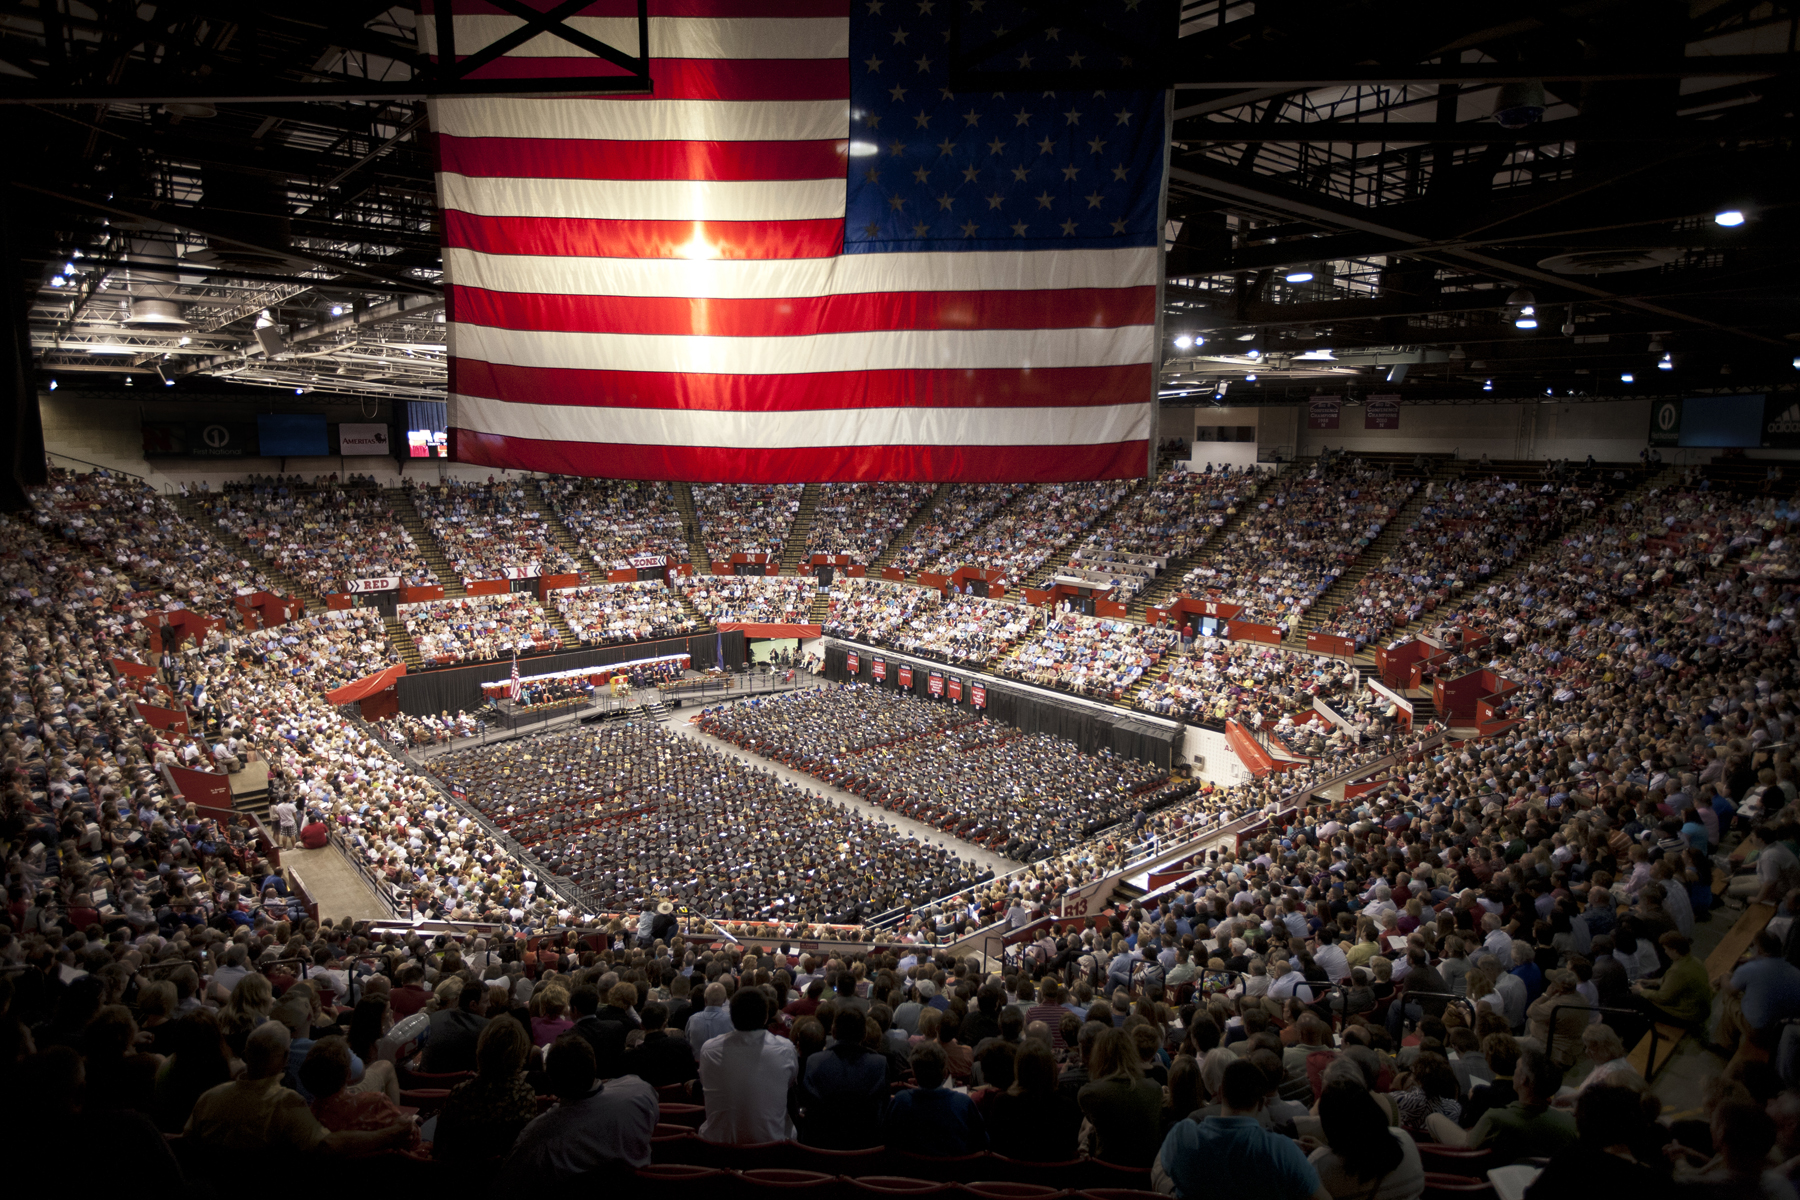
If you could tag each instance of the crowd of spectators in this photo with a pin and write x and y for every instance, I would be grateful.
(747, 518)
(609, 613)
(491, 530)
(962, 510)
(1169, 520)
(478, 628)
(756, 599)
(324, 538)
(1099, 657)
(616, 520)
(1467, 530)
(326, 650)
(1224, 680)
(637, 812)
(860, 519)
(958, 629)
(126, 524)
(430, 729)
(1018, 540)
(1299, 535)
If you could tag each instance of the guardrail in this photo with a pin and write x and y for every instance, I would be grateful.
(100, 466)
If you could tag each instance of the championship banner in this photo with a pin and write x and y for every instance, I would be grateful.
(802, 255)
(977, 695)
(906, 679)
(955, 689)
(1381, 412)
(851, 664)
(935, 684)
(1322, 412)
(371, 585)
(880, 670)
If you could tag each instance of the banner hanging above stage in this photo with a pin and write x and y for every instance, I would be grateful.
(803, 256)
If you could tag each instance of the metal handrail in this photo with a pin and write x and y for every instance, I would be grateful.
(101, 466)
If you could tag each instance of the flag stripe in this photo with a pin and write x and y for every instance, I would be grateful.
(643, 239)
(1004, 388)
(692, 78)
(553, 159)
(860, 312)
(737, 9)
(645, 199)
(925, 271)
(889, 350)
(825, 464)
(1049, 426)
(533, 118)
(670, 37)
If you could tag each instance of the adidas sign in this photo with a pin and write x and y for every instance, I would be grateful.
(1787, 422)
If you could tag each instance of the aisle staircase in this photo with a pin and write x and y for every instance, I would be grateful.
(1390, 537)
(1167, 585)
(794, 548)
(1060, 559)
(684, 503)
(565, 538)
(701, 623)
(288, 586)
(400, 499)
(409, 652)
(906, 531)
(1145, 682)
(562, 627)
(821, 607)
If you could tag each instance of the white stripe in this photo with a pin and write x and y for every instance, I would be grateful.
(885, 350)
(743, 279)
(828, 427)
(644, 199)
(643, 120)
(670, 37)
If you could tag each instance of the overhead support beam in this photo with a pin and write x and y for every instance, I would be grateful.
(1287, 79)
(1466, 132)
(180, 218)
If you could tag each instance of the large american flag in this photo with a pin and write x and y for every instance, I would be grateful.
(803, 257)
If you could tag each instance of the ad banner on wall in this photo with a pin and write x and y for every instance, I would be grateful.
(1381, 412)
(977, 695)
(852, 664)
(362, 438)
(880, 670)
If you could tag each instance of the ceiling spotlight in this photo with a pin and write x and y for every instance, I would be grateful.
(1253, 352)
(1183, 341)
(1656, 346)
(1627, 377)
(1549, 391)
(337, 310)
(1488, 386)
(185, 341)
(1526, 322)
(1730, 218)
(1249, 379)
(299, 391)
(53, 385)
(1521, 298)
(1299, 275)
(168, 383)
(1458, 354)
(1797, 364)
(1246, 337)
(57, 281)
(1666, 363)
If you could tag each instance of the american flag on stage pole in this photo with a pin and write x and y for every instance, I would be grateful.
(514, 690)
(803, 257)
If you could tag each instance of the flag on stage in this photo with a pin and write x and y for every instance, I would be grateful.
(804, 256)
(514, 689)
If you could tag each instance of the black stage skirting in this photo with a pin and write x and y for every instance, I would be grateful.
(1091, 729)
(458, 689)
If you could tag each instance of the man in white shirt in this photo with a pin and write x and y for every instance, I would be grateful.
(1498, 942)
(747, 1074)
(1330, 956)
(1285, 982)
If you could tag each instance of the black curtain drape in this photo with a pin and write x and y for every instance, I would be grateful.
(1091, 729)
(457, 689)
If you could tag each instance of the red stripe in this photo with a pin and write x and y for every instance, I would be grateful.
(822, 464)
(1076, 308)
(695, 78)
(563, 158)
(722, 9)
(576, 237)
(1008, 387)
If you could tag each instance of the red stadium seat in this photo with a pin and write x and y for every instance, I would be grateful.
(958, 1169)
(899, 1185)
(690, 1115)
(1440, 1186)
(1118, 1194)
(870, 1161)
(681, 1182)
(427, 1100)
(1007, 1190)
(1102, 1174)
(1456, 1160)
(770, 1181)
(1049, 1174)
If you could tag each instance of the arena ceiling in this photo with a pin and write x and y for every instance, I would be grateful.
(1364, 195)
